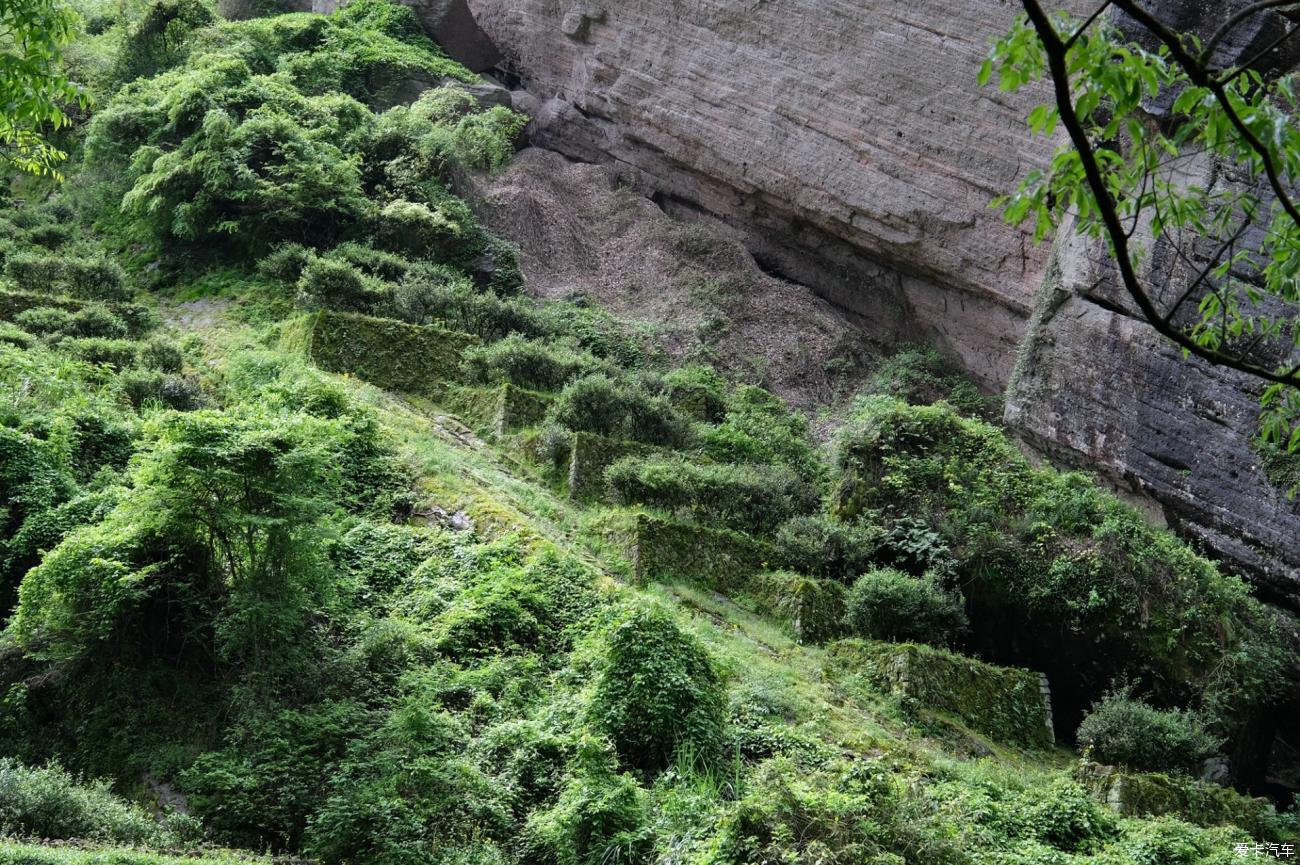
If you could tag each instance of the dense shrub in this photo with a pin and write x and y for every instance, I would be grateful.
(619, 409)
(537, 364)
(162, 355)
(159, 38)
(657, 691)
(32, 483)
(843, 816)
(12, 334)
(336, 285)
(273, 175)
(45, 320)
(259, 790)
(286, 262)
(96, 320)
(760, 428)
(751, 498)
(117, 353)
(823, 547)
(48, 803)
(406, 793)
(1087, 587)
(417, 229)
(600, 818)
(886, 604)
(1123, 730)
(143, 388)
(45, 530)
(224, 516)
(95, 277)
(432, 294)
(918, 375)
(697, 391)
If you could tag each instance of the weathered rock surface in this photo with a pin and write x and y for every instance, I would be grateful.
(581, 235)
(847, 143)
(1096, 386)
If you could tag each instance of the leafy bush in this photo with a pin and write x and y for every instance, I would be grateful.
(96, 320)
(283, 172)
(336, 285)
(12, 334)
(823, 547)
(657, 691)
(1067, 818)
(260, 789)
(162, 355)
(619, 409)
(600, 818)
(117, 353)
(760, 428)
(433, 294)
(159, 39)
(143, 387)
(417, 229)
(224, 516)
(698, 392)
(407, 793)
(45, 320)
(886, 604)
(48, 803)
(748, 497)
(286, 262)
(95, 277)
(918, 375)
(1091, 591)
(536, 364)
(1125, 731)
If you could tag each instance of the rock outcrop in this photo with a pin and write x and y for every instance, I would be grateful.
(849, 145)
(848, 141)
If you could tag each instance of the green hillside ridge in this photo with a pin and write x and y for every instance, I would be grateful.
(320, 539)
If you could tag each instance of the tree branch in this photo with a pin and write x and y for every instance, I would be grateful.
(1056, 51)
(1201, 77)
(1233, 22)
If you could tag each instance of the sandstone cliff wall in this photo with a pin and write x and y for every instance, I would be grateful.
(848, 141)
(849, 145)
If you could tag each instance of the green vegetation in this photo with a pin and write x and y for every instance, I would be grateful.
(1089, 587)
(35, 89)
(256, 562)
(1121, 730)
(887, 604)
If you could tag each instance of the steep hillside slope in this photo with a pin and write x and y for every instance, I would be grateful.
(324, 535)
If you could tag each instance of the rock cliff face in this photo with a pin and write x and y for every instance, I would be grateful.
(848, 141)
(849, 145)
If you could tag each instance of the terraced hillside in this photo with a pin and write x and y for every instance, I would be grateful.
(321, 537)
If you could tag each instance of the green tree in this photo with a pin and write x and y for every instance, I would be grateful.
(214, 554)
(1139, 101)
(33, 88)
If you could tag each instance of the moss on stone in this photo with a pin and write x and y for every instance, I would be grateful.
(1150, 794)
(664, 551)
(591, 455)
(812, 608)
(1005, 703)
(403, 357)
(498, 410)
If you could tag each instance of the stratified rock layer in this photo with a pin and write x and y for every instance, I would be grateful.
(848, 143)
